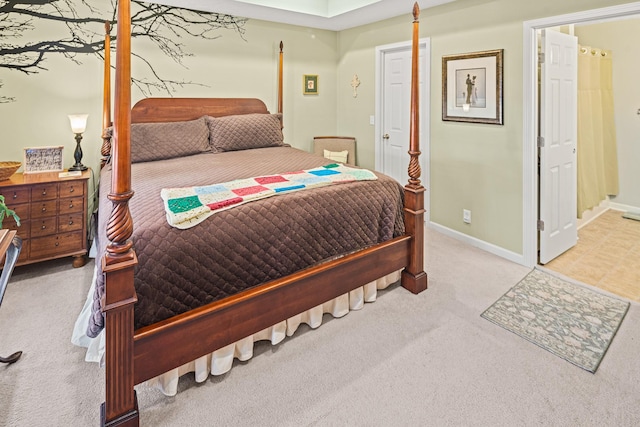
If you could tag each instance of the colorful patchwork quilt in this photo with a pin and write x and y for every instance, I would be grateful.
(189, 206)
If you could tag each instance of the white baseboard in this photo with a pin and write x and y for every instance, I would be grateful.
(591, 214)
(481, 244)
(625, 208)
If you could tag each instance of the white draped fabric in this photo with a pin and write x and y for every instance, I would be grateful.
(221, 361)
(597, 147)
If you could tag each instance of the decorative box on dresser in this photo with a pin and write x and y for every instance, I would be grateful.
(53, 215)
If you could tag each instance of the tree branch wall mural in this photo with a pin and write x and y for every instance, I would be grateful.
(79, 32)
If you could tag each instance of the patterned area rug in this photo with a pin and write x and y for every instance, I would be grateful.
(567, 319)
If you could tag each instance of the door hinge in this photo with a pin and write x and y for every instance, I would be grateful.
(541, 57)
(541, 142)
(540, 225)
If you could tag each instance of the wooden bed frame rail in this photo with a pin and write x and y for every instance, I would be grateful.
(133, 356)
(245, 314)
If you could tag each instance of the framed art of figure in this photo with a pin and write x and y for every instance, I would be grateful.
(43, 159)
(472, 87)
(310, 84)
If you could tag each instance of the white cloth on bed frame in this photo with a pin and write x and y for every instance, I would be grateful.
(220, 361)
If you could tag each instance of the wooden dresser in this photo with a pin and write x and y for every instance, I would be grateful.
(53, 215)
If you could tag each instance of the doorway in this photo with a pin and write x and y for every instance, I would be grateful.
(530, 113)
(595, 260)
(393, 73)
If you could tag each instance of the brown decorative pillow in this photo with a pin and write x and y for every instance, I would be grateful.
(157, 141)
(245, 131)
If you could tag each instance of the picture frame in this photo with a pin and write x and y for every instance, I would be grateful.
(310, 84)
(472, 87)
(43, 159)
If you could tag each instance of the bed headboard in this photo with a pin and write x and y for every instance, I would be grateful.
(154, 110)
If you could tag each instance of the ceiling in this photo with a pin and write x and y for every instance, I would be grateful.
(333, 15)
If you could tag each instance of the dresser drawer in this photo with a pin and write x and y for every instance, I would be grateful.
(23, 211)
(44, 226)
(10, 224)
(47, 191)
(44, 209)
(58, 244)
(70, 222)
(24, 231)
(16, 195)
(71, 188)
(71, 205)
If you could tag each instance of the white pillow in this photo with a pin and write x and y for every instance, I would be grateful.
(337, 156)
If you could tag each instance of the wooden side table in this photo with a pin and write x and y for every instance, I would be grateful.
(53, 215)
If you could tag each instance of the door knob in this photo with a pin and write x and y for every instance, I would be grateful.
(385, 136)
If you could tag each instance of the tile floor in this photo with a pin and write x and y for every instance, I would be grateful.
(607, 255)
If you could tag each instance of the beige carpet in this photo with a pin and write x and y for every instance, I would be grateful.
(403, 360)
(607, 255)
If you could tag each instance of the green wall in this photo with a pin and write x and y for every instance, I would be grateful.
(225, 67)
(473, 166)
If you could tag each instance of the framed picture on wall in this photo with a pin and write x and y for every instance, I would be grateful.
(43, 159)
(310, 84)
(472, 87)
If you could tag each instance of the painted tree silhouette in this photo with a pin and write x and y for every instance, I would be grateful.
(80, 23)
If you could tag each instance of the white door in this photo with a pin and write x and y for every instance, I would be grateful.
(558, 129)
(396, 98)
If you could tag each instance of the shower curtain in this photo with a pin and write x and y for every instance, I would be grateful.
(597, 150)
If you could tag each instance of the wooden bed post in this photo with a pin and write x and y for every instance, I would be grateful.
(280, 80)
(120, 407)
(413, 277)
(106, 97)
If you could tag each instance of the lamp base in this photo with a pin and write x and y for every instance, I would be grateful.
(78, 167)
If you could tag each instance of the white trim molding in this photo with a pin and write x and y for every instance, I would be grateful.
(481, 244)
(624, 208)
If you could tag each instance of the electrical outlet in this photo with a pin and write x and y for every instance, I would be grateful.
(372, 120)
(466, 216)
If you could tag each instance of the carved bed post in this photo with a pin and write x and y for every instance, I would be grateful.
(413, 277)
(106, 97)
(280, 70)
(120, 407)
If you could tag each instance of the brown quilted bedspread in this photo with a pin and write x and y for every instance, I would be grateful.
(236, 249)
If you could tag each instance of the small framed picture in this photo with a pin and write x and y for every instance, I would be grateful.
(43, 159)
(310, 84)
(472, 87)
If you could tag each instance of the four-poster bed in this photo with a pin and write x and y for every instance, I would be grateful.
(133, 346)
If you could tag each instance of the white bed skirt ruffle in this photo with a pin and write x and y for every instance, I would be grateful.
(220, 361)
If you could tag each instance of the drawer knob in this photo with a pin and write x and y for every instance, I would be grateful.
(44, 192)
(70, 205)
(71, 190)
(15, 195)
(44, 226)
(57, 243)
(70, 222)
(44, 209)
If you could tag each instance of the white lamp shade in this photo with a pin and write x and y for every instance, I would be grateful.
(78, 122)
